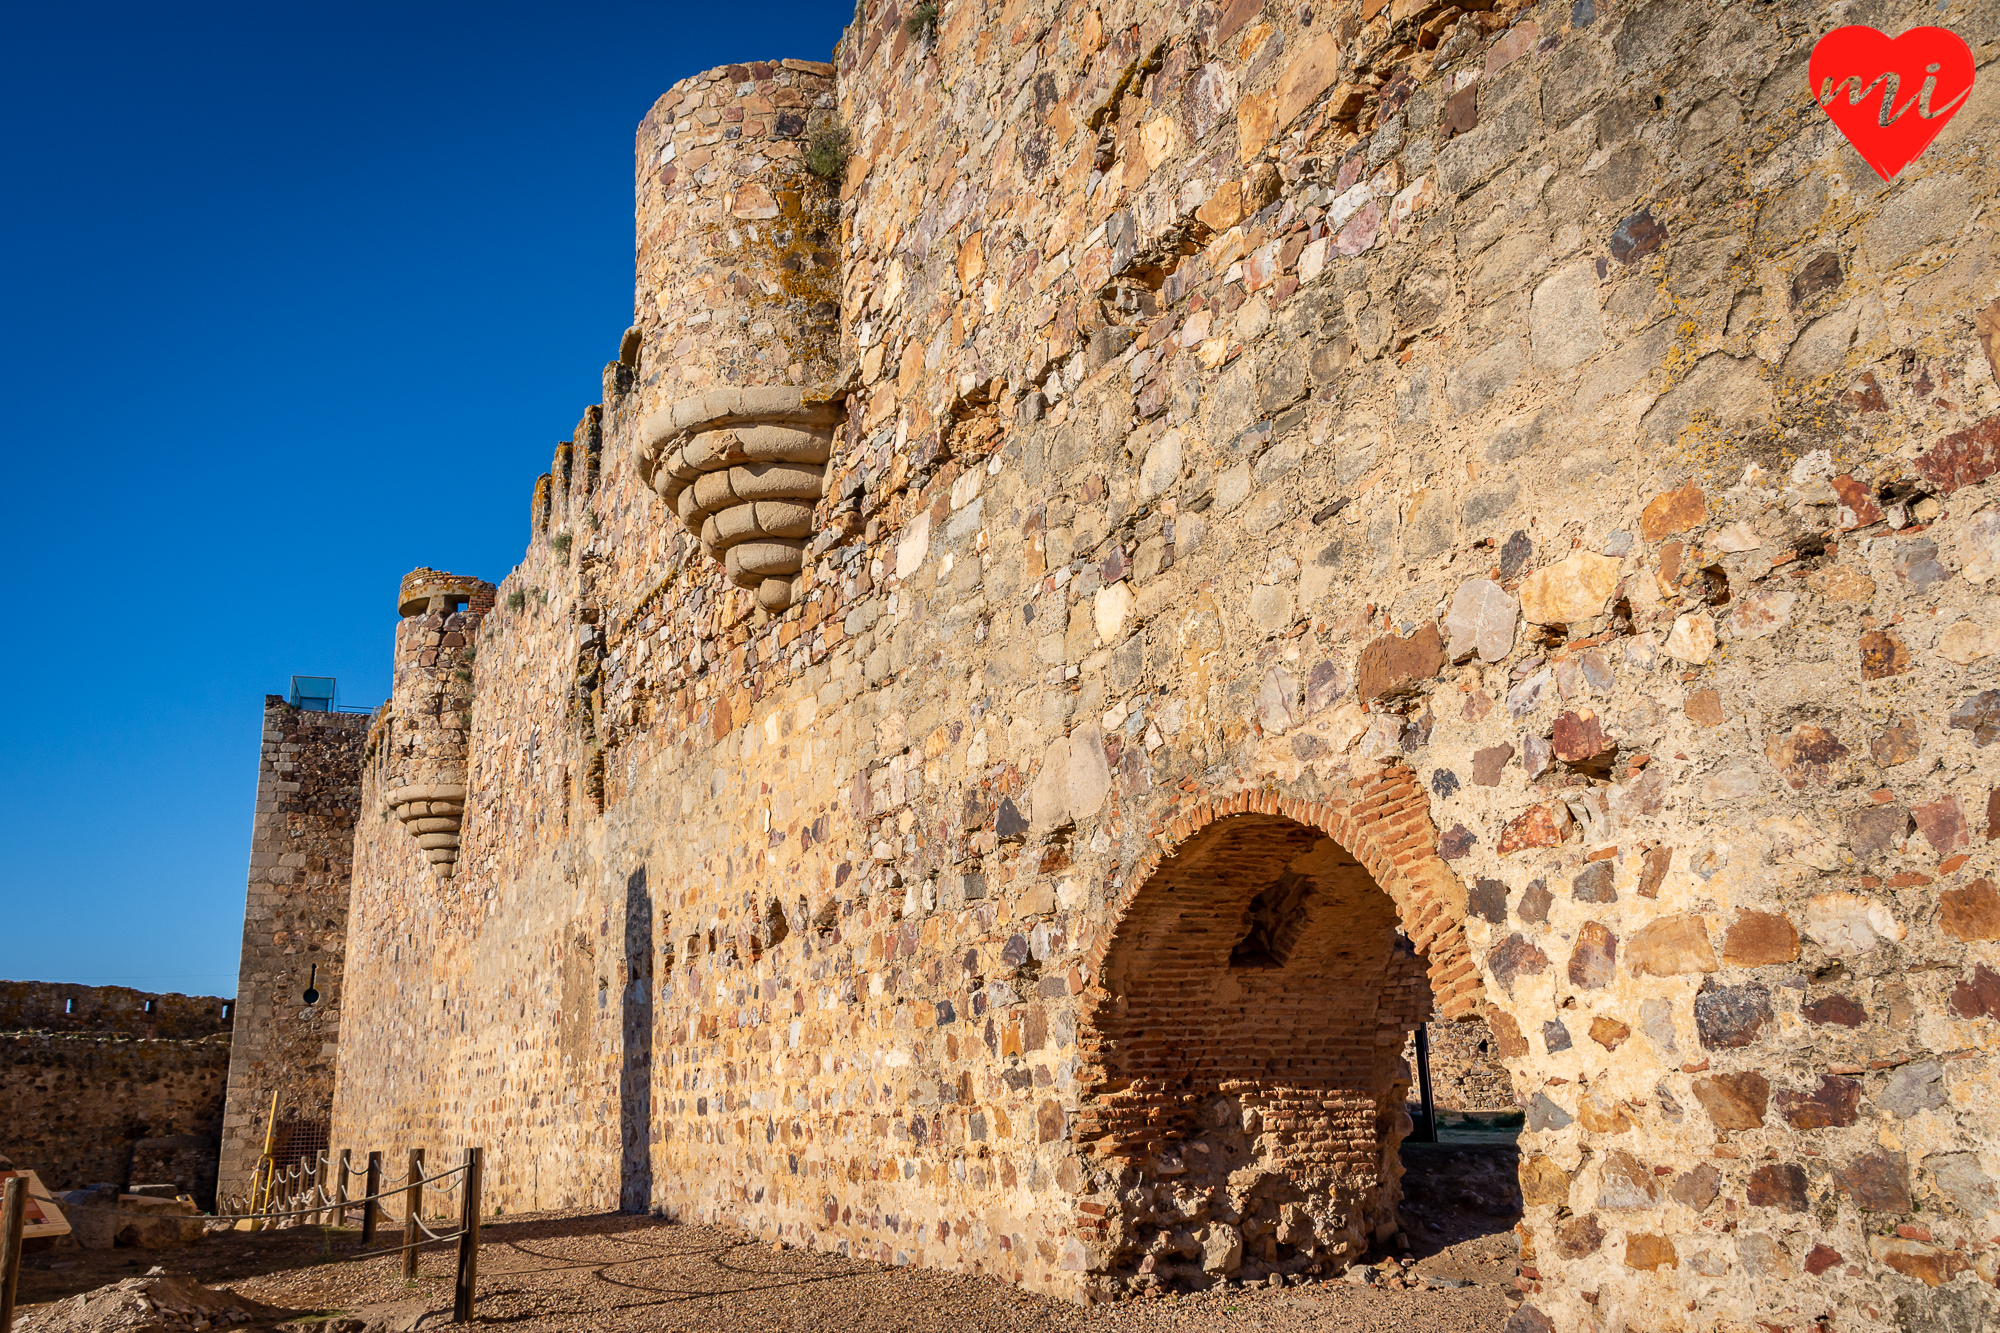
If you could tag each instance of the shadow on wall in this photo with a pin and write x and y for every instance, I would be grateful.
(635, 1083)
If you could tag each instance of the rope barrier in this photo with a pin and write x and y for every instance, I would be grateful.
(370, 1254)
(305, 1180)
(300, 1212)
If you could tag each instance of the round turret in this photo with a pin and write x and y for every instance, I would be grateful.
(431, 708)
(739, 312)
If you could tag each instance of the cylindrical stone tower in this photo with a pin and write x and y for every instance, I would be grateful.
(739, 308)
(432, 708)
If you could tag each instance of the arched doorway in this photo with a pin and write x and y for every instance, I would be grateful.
(1245, 1083)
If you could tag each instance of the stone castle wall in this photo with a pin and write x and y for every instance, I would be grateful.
(106, 1083)
(1378, 507)
(294, 935)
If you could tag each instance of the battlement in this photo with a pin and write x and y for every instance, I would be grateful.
(434, 592)
(54, 1006)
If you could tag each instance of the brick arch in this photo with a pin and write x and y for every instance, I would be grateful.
(1248, 1009)
(1385, 823)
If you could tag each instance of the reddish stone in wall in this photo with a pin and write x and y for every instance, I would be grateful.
(1647, 1253)
(1878, 1181)
(1836, 1102)
(1515, 957)
(1882, 655)
(1673, 511)
(1734, 1101)
(1843, 1010)
(1487, 764)
(1971, 913)
(1963, 457)
(1391, 666)
(1780, 1185)
(1941, 824)
(1696, 1189)
(1858, 499)
(1653, 870)
(1578, 736)
(1538, 826)
(1978, 996)
(1579, 1237)
(1807, 755)
(1758, 938)
(1897, 743)
(1595, 957)
(1927, 1263)
(1508, 1042)
(1704, 707)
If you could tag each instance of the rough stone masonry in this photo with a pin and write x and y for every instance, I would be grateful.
(289, 987)
(1219, 531)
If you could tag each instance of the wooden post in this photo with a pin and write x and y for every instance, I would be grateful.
(13, 1218)
(413, 1204)
(340, 1187)
(371, 1207)
(468, 1240)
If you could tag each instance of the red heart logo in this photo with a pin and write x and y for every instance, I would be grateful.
(1890, 96)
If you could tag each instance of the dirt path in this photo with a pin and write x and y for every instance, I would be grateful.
(576, 1271)
(599, 1272)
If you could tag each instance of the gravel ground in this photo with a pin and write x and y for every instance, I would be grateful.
(575, 1271)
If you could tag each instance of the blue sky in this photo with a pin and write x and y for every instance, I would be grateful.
(292, 299)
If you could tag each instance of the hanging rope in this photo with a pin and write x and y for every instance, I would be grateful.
(381, 1194)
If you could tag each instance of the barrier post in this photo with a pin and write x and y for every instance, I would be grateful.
(413, 1203)
(468, 1240)
(371, 1207)
(13, 1219)
(340, 1187)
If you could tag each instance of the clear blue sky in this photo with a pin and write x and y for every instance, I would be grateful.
(293, 298)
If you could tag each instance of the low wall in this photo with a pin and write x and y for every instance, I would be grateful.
(78, 1105)
(110, 1084)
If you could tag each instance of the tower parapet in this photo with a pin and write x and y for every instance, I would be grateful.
(432, 708)
(739, 309)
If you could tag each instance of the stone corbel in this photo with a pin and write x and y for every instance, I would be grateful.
(744, 470)
(433, 813)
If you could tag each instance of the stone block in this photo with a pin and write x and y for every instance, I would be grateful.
(1670, 946)
(1730, 1017)
(1472, 383)
(1593, 961)
(1970, 913)
(1481, 619)
(1392, 666)
(1571, 590)
(1734, 1101)
(1565, 326)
